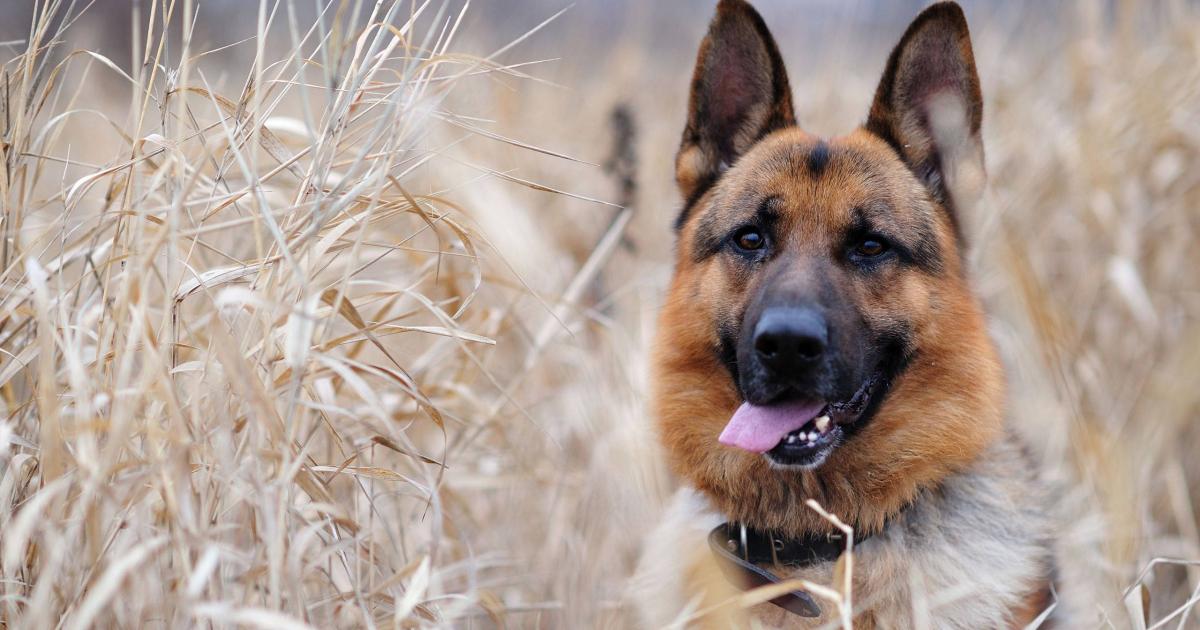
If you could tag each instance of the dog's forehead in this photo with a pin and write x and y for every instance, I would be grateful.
(810, 173)
(818, 179)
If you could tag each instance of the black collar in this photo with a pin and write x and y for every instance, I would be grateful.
(739, 550)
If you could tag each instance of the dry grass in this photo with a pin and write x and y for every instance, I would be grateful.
(296, 341)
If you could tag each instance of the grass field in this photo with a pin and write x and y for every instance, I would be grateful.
(335, 314)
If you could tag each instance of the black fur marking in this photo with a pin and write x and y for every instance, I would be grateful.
(897, 354)
(818, 158)
(702, 187)
(727, 336)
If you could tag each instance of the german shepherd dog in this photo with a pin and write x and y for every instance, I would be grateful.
(820, 340)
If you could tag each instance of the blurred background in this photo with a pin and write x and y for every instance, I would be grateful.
(339, 325)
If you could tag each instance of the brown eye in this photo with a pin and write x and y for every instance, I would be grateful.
(870, 248)
(749, 239)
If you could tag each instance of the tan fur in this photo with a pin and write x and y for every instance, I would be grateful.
(934, 476)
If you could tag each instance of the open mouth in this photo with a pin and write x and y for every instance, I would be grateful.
(798, 433)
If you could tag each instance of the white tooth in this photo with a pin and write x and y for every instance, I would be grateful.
(823, 424)
(812, 437)
(791, 439)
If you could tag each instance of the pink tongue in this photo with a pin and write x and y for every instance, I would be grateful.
(759, 429)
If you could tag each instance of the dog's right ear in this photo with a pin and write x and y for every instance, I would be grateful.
(739, 94)
(929, 106)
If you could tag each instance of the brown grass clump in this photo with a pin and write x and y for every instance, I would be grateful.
(289, 336)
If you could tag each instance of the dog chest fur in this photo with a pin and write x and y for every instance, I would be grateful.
(966, 554)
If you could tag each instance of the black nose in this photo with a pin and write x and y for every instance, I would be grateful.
(790, 338)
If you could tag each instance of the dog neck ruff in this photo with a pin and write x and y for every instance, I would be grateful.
(740, 550)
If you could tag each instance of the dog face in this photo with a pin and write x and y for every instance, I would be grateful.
(819, 339)
(823, 249)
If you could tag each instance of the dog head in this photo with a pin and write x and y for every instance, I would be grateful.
(819, 339)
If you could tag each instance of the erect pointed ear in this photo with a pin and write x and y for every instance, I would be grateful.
(739, 94)
(929, 106)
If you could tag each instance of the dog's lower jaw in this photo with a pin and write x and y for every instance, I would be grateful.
(978, 540)
(813, 465)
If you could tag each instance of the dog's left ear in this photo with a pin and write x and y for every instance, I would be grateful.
(739, 94)
(929, 106)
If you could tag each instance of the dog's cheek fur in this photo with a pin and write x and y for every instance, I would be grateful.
(688, 367)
